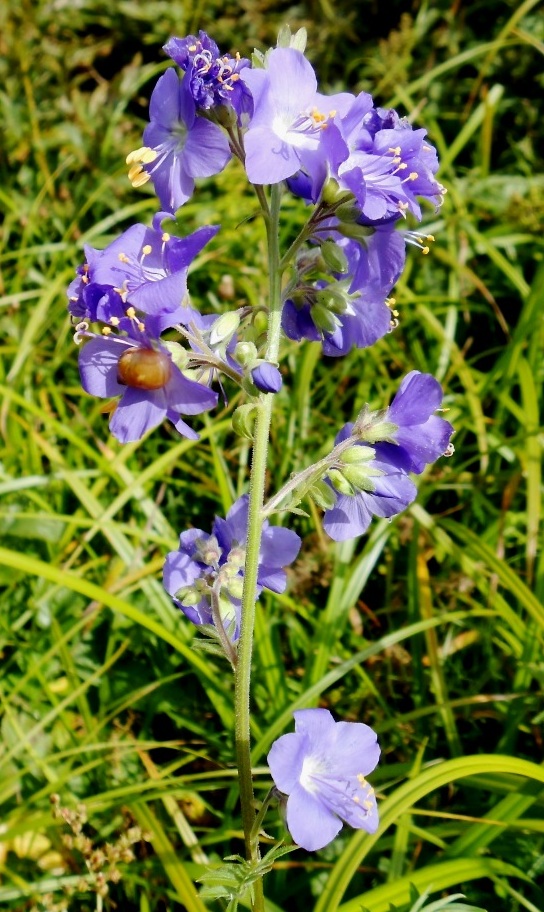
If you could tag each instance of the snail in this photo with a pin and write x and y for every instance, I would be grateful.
(144, 368)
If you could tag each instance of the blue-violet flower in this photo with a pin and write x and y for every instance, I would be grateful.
(321, 766)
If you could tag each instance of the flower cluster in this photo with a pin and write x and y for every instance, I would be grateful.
(207, 566)
(374, 480)
(361, 171)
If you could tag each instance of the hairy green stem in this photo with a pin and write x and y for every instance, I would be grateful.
(254, 530)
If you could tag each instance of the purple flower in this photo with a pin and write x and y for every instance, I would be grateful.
(144, 269)
(419, 438)
(140, 369)
(204, 562)
(375, 156)
(178, 145)
(322, 766)
(213, 78)
(374, 266)
(286, 118)
(267, 378)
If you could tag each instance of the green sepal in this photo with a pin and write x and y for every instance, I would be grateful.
(322, 495)
(243, 420)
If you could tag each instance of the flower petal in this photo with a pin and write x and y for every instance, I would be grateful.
(98, 362)
(311, 824)
(285, 760)
(138, 412)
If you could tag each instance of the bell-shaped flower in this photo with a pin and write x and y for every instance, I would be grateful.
(321, 767)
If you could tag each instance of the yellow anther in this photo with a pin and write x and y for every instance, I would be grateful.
(356, 798)
(413, 175)
(367, 805)
(402, 166)
(429, 237)
(141, 327)
(395, 150)
(395, 313)
(135, 155)
(390, 302)
(146, 249)
(114, 321)
(141, 179)
(148, 155)
(123, 258)
(134, 171)
(85, 279)
(73, 298)
(235, 77)
(425, 250)
(361, 779)
(130, 312)
(165, 237)
(192, 47)
(332, 113)
(106, 330)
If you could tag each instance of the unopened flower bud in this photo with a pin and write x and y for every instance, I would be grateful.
(267, 378)
(359, 477)
(243, 420)
(334, 256)
(323, 318)
(180, 356)
(235, 587)
(340, 483)
(323, 495)
(357, 454)
(224, 327)
(245, 353)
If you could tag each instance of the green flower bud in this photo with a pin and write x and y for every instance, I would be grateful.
(235, 587)
(323, 318)
(245, 353)
(243, 420)
(334, 256)
(357, 454)
(355, 231)
(322, 494)
(187, 596)
(180, 356)
(224, 327)
(339, 482)
(358, 476)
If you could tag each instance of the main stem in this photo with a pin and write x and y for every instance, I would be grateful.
(242, 677)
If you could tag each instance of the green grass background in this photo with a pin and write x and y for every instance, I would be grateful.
(430, 628)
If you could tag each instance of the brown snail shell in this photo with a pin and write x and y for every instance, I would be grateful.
(144, 368)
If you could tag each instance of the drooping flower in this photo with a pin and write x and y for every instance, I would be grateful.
(212, 78)
(144, 269)
(178, 145)
(321, 767)
(415, 438)
(137, 367)
(373, 266)
(204, 561)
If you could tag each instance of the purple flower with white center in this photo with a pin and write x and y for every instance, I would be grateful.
(286, 116)
(419, 436)
(213, 78)
(267, 378)
(218, 560)
(321, 767)
(139, 369)
(178, 145)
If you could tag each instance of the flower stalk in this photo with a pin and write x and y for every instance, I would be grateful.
(254, 530)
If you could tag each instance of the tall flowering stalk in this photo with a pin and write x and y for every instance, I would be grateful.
(361, 170)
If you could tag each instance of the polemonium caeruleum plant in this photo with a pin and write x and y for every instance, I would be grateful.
(360, 170)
